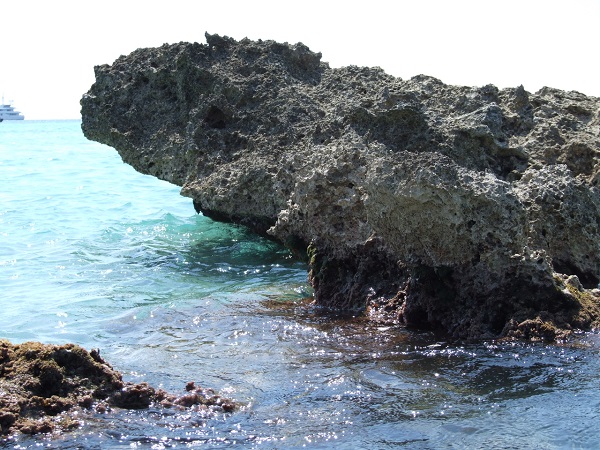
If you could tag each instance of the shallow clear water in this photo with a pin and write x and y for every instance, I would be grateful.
(94, 253)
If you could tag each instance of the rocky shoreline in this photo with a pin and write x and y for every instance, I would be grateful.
(49, 388)
(470, 211)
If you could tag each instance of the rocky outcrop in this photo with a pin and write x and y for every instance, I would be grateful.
(469, 210)
(47, 388)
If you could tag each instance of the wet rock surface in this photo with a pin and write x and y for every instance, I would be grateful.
(458, 209)
(46, 388)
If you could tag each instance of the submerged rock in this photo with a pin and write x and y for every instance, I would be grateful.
(458, 209)
(43, 388)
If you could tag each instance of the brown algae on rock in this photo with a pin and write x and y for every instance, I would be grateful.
(42, 384)
(583, 314)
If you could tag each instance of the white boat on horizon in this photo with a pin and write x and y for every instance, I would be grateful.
(8, 112)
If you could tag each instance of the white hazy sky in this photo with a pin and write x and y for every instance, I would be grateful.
(48, 48)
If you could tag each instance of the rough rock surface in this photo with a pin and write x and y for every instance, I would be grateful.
(44, 388)
(460, 209)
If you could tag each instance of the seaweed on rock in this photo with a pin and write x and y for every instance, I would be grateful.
(43, 387)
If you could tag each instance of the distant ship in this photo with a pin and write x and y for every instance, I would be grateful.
(7, 112)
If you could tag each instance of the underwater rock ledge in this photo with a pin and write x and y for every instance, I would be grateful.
(472, 211)
(48, 388)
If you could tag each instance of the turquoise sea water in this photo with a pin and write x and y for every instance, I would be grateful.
(92, 252)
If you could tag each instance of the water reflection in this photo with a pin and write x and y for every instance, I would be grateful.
(306, 380)
(177, 300)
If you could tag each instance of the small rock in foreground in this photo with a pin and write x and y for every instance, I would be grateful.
(41, 384)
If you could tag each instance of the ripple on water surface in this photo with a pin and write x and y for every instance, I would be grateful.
(93, 253)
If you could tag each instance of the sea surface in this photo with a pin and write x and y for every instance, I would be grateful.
(94, 253)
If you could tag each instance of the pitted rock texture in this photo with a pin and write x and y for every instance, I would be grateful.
(48, 388)
(459, 209)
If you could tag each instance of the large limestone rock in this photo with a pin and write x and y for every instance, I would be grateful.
(474, 211)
